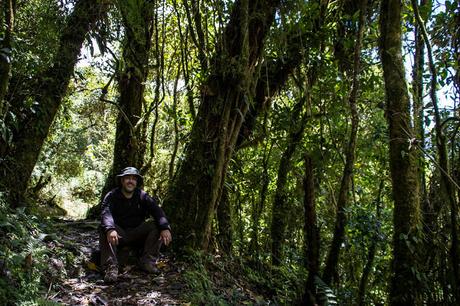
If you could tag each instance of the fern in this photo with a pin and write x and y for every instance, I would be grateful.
(324, 294)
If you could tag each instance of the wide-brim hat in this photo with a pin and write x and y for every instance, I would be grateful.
(131, 171)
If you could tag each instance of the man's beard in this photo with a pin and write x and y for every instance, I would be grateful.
(129, 189)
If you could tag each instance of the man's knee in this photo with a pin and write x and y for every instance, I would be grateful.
(144, 230)
(151, 226)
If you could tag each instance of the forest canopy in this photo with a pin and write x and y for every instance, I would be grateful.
(312, 142)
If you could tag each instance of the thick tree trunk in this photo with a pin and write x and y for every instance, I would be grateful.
(51, 87)
(331, 268)
(130, 137)
(311, 234)
(197, 186)
(403, 161)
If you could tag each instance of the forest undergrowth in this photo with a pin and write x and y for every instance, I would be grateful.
(49, 261)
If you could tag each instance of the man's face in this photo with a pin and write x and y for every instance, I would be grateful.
(129, 183)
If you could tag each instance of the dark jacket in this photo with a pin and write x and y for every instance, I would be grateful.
(130, 213)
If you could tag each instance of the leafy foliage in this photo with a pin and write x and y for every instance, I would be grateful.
(229, 281)
(28, 265)
(77, 154)
(325, 294)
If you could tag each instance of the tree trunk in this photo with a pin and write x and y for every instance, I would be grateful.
(130, 138)
(436, 262)
(49, 90)
(418, 113)
(403, 161)
(159, 27)
(331, 268)
(172, 161)
(441, 145)
(184, 54)
(258, 207)
(280, 210)
(9, 8)
(274, 74)
(276, 71)
(224, 221)
(456, 47)
(371, 252)
(311, 234)
(197, 186)
(196, 32)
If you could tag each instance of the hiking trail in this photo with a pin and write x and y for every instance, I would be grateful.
(81, 283)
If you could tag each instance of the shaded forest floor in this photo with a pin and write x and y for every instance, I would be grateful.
(49, 261)
(203, 280)
(84, 285)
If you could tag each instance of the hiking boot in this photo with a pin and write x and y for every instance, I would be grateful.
(111, 274)
(150, 265)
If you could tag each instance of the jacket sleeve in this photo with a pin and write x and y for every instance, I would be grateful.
(155, 211)
(107, 222)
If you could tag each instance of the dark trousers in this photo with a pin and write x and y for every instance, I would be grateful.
(145, 236)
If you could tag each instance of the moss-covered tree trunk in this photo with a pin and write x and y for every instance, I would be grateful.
(405, 288)
(50, 87)
(197, 186)
(130, 138)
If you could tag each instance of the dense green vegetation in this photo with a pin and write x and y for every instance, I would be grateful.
(303, 150)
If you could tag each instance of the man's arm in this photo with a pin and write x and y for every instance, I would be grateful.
(156, 212)
(160, 217)
(107, 222)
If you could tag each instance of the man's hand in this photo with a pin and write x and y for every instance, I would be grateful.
(165, 236)
(112, 237)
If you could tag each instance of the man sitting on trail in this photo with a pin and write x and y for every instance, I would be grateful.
(124, 211)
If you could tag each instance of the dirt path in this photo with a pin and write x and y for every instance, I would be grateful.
(82, 284)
